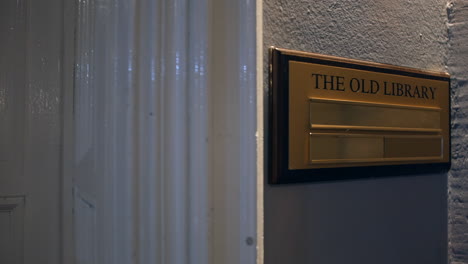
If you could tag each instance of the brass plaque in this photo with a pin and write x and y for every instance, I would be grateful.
(328, 114)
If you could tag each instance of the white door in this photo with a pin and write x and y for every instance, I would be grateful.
(159, 126)
(102, 180)
(29, 133)
(165, 132)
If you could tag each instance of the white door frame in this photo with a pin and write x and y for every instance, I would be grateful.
(67, 150)
(237, 130)
(195, 109)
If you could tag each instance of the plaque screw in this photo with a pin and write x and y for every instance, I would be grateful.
(249, 241)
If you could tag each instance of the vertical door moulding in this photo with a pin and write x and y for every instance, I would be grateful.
(121, 163)
(234, 129)
(12, 92)
(67, 121)
(157, 140)
(174, 129)
(261, 116)
(85, 229)
(198, 179)
(11, 229)
(84, 77)
(147, 122)
(247, 45)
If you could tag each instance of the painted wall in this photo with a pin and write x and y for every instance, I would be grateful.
(458, 183)
(386, 220)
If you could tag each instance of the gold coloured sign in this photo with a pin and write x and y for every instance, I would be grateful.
(329, 113)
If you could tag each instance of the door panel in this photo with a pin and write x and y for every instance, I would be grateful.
(11, 230)
(12, 95)
(93, 218)
(30, 96)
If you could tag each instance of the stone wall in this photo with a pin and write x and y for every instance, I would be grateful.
(457, 65)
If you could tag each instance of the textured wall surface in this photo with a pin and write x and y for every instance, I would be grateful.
(458, 182)
(387, 220)
(405, 33)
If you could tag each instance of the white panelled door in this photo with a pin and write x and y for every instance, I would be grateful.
(141, 116)
(164, 131)
(30, 206)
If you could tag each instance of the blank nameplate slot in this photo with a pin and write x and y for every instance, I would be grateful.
(413, 147)
(350, 115)
(345, 148)
(332, 147)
